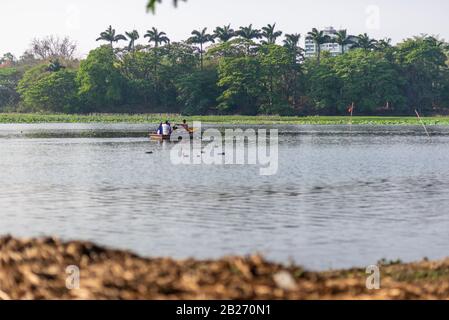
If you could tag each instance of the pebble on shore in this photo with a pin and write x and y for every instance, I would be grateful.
(38, 269)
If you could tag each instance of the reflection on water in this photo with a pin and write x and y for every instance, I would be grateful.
(339, 199)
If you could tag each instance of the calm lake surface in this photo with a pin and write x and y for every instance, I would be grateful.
(339, 199)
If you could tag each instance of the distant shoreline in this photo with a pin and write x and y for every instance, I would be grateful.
(12, 118)
(38, 269)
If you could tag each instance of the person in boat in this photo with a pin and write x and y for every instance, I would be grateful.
(159, 129)
(184, 125)
(166, 128)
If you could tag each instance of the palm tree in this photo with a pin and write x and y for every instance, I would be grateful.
(270, 34)
(365, 42)
(319, 38)
(201, 38)
(151, 4)
(157, 37)
(343, 39)
(291, 42)
(224, 33)
(383, 44)
(132, 36)
(249, 33)
(110, 36)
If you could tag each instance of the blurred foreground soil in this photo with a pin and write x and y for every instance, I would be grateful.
(37, 269)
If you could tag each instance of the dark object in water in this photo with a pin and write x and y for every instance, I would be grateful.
(149, 152)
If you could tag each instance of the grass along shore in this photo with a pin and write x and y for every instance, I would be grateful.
(37, 269)
(156, 118)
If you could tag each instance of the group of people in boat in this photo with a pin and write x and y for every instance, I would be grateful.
(166, 128)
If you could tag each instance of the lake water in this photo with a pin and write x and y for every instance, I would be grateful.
(339, 199)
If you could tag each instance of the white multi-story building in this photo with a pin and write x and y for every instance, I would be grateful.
(310, 49)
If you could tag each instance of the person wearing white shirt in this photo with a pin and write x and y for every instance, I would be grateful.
(166, 129)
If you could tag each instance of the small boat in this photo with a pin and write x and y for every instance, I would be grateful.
(175, 136)
(159, 137)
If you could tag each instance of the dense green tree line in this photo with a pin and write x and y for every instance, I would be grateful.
(243, 71)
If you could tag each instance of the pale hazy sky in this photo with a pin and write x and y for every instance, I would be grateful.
(83, 20)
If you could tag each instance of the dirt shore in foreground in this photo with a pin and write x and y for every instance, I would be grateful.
(37, 269)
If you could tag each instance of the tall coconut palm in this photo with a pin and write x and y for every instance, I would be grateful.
(343, 39)
(110, 36)
(201, 38)
(157, 37)
(319, 38)
(270, 34)
(133, 36)
(365, 42)
(224, 33)
(249, 33)
(291, 42)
